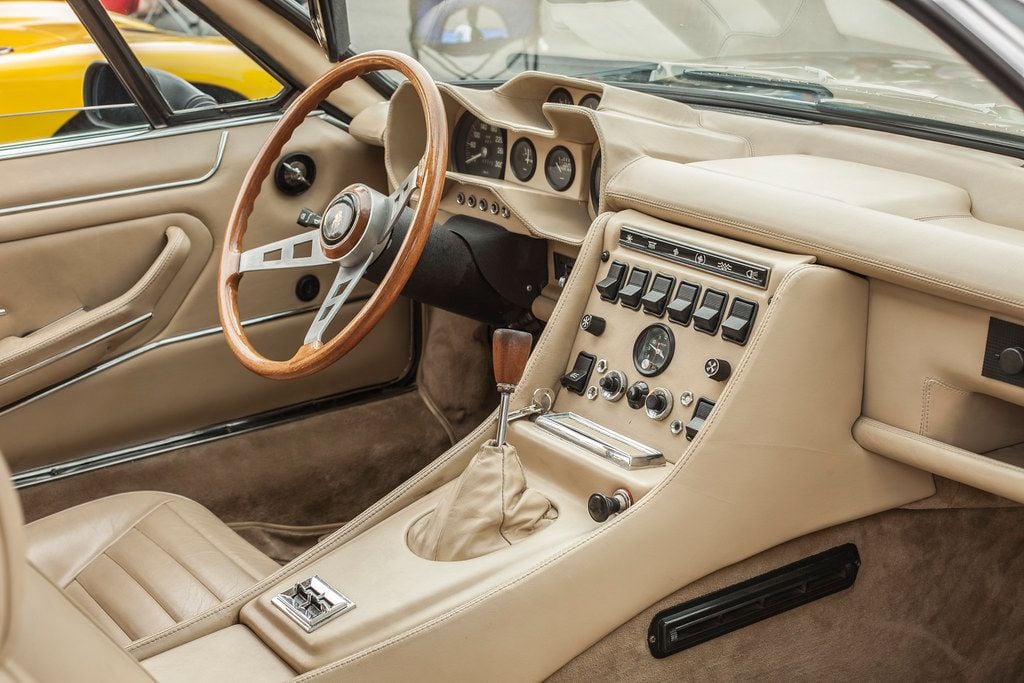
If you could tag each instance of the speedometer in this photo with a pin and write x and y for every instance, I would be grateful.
(479, 148)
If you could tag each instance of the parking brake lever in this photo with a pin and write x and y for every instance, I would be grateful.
(511, 350)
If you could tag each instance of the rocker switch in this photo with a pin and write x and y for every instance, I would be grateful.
(655, 301)
(709, 315)
(700, 415)
(629, 296)
(681, 309)
(576, 379)
(612, 282)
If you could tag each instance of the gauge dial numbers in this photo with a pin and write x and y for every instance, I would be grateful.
(653, 349)
(479, 148)
(560, 168)
(524, 159)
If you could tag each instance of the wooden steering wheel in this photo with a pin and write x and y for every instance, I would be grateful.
(354, 230)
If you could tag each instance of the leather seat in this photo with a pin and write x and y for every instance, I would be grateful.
(141, 562)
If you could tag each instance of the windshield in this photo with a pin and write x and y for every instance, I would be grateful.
(863, 56)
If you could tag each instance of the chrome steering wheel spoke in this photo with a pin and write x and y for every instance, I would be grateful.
(341, 289)
(291, 252)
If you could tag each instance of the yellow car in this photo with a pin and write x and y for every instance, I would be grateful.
(45, 50)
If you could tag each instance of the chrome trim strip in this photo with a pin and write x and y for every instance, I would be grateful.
(128, 191)
(34, 148)
(638, 457)
(75, 349)
(146, 348)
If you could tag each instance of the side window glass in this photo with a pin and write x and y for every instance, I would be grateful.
(192, 64)
(44, 54)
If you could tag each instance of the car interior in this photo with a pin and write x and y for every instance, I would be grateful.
(556, 376)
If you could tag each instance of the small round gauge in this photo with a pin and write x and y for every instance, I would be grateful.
(653, 349)
(524, 159)
(590, 101)
(479, 148)
(560, 96)
(595, 183)
(560, 168)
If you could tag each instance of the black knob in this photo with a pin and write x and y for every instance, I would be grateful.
(657, 402)
(1011, 360)
(637, 394)
(601, 507)
(592, 324)
(717, 369)
(611, 383)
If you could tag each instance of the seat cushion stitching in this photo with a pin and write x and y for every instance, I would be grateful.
(89, 560)
(209, 540)
(148, 592)
(180, 564)
(101, 609)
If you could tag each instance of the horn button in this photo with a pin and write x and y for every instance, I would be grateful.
(346, 222)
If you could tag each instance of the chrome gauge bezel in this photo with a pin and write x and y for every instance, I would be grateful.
(641, 340)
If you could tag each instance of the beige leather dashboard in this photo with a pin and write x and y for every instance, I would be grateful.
(929, 225)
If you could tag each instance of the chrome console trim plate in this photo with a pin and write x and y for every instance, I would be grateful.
(625, 452)
(753, 274)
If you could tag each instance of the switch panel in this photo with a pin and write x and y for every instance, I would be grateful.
(700, 415)
(1004, 352)
(576, 380)
(708, 317)
(681, 309)
(655, 301)
(740, 320)
(612, 282)
(630, 295)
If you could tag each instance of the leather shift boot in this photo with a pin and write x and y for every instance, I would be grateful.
(489, 508)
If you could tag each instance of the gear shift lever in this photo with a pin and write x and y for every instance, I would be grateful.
(511, 350)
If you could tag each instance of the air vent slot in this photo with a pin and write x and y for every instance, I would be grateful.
(698, 621)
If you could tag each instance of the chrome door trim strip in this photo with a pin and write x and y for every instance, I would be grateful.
(35, 148)
(48, 473)
(127, 191)
(146, 348)
(75, 349)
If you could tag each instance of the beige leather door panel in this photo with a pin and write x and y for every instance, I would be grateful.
(111, 332)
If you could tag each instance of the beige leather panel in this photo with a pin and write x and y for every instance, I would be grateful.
(233, 654)
(106, 245)
(142, 562)
(52, 640)
(867, 241)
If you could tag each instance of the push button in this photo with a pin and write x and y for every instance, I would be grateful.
(654, 301)
(612, 282)
(709, 315)
(700, 415)
(576, 379)
(630, 295)
(681, 309)
(736, 327)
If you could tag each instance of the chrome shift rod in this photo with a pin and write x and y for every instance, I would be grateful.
(511, 350)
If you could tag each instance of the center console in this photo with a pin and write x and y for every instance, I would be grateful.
(677, 367)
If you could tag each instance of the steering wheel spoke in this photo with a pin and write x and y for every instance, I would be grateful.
(341, 289)
(297, 251)
(355, 227)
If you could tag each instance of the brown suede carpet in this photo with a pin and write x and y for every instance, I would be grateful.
(939, 597)
(324, 469)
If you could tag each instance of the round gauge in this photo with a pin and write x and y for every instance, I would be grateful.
(595, 183)
(524, 159)
(479, 148)
(653, 349)
(560, 96)
(590, 101)
(560, 168)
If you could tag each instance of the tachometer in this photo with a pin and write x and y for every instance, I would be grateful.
(524, 159)
(479, 148)
(560, 168)
(653, 349)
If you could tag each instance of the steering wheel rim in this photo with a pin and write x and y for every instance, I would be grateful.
(429, 176)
